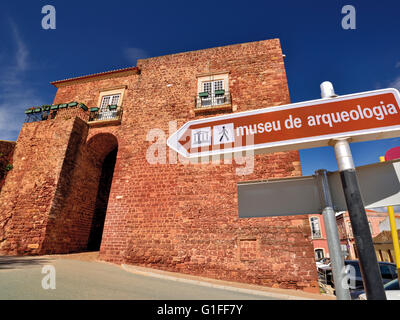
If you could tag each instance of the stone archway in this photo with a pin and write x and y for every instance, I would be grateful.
(104, 148)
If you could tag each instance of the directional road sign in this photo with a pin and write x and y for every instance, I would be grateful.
(362, 116)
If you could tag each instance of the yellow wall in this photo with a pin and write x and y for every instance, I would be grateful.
(384, 249)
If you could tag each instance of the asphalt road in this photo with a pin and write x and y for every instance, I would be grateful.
(21, 278)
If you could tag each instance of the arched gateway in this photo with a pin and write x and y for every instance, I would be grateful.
(105, 147)
(78, 213)
(63, 181)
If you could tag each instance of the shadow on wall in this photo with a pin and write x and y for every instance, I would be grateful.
(6, 153)
(103, 194)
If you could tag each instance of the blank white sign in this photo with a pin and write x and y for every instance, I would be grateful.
(379, 185)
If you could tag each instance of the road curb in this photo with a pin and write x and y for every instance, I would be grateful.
(143, 272)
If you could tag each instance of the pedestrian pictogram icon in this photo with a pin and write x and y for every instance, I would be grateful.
(224, 134)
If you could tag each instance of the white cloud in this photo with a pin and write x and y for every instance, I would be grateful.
(22, 52)
(132, 54)
(395, 83)
(397, 64)
(15, 94)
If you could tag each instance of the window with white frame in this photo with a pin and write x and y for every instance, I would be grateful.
(109, 104)
(215, 93)
(213, 86)
(315, 227)
(105, 112)
(213, 90)
(109, 101)
(319, 254)
(350, 229)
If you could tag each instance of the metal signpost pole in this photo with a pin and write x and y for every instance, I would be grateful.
(342, 292)
(365, 248)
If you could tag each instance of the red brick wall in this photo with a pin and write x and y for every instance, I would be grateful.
(184, 217)
(71, 214)
(27, 195)
(48, 201)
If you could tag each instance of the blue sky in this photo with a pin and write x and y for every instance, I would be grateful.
(98, 36)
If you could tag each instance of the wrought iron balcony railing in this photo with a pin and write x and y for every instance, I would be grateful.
(37, 116)
(47, 112)
(112, 113)
(208, 100)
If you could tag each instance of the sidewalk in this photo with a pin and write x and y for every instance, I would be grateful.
(207, 282)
